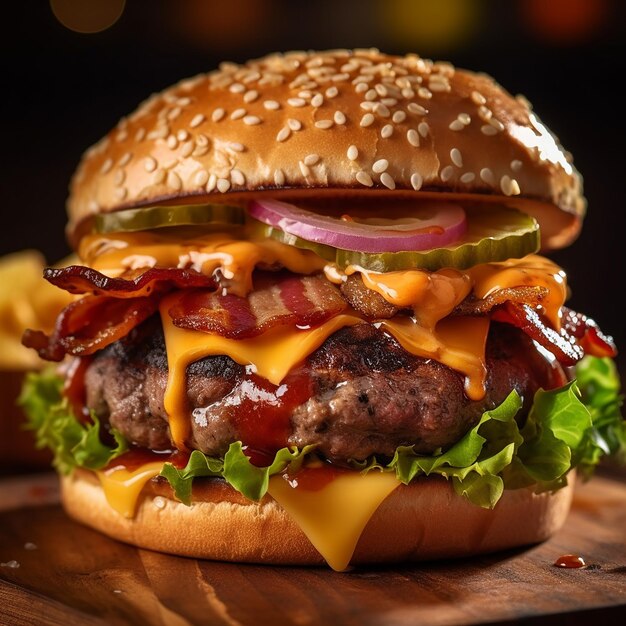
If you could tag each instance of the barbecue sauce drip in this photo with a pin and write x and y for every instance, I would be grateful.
(261, 412)
(570, 561)
(314, 478)
(135, 458)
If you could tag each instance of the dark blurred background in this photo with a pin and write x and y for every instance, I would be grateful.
(72, 68)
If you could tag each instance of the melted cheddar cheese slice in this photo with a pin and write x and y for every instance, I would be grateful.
(334, 517)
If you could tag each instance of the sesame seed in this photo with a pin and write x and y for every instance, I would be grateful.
(150, 164)
(339, 78)
(364, 178)
(296, 102)
(497, 124)
(210, 186)
(174, 181)
(381, 90)
(294, 125)
(413, 137)
(456, 125)
(389, 102)
(311, 159)
(456, 157)
(187, 148)
(380, 166)
(140, 134)
(478, 98)
(468, 177)
(159, 177)
(251, 120)
(353, 153)
(398, 117)
(464, 118)
(174, 113)
(361, 87)
(422, 92)
(197, 120)
(317, 100)
(120, 193)
(223, 185)
(237, 114)
(487, 176)
(305, 93)
(251, 95)
(236, 146)
(487, 129)
(387, 180)
(172, 142)
(371, 95)
(413, 107)
(423, 128)
(516, 165)
(416, 181)
(386, 131)
(438, 86)
(283, 134)
(125, 159)
(447, 173)
(339, 118)
(367, 106)
(106, 166)
(237, 177)
(382, 110)
(201, 178)
(332, 92)
(271, 105)
(304, 168)
(484, 113)
(218, 114)
(237, 88)
(408, 93)
(279, 178)
(200, 151)
(201, 140)
(367, 120)
(324, 124)
(183, 135)
(509, 186)
(120, 176)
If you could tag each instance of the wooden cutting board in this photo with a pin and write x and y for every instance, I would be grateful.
(69, 574)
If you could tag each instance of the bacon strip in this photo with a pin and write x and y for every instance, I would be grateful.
(80, 279)
(518, 295)
(276, 300)
(90, 324)
(588, 333)
(563, 345)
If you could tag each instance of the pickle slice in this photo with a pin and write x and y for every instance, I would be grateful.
(147, 218)
(493, 234)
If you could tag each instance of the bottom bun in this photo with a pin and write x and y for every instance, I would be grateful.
(421, 521)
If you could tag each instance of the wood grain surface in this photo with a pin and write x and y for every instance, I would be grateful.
(69, 574)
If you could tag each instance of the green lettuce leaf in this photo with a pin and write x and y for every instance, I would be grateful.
(50, 417)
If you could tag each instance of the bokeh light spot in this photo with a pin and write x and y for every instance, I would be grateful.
(565, 21)
(433, 25)
(226, 25)
(87, 16)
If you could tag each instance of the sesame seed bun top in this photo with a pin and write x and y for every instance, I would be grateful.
(347, 121)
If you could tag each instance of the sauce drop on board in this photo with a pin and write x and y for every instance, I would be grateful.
(570, 561)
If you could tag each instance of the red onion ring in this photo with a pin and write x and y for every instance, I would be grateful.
(443, 224)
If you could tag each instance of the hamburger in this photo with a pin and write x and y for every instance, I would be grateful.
(312, 324)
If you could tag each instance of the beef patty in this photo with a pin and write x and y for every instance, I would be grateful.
(368, 394)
